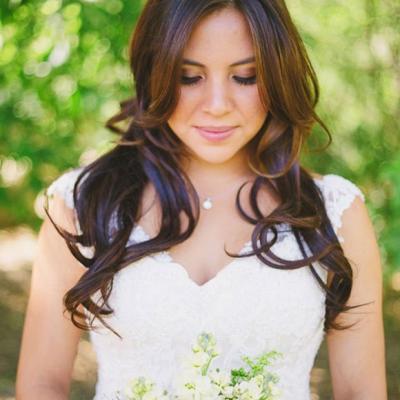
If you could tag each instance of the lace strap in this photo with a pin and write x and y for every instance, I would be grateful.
(64, 187)
(338, 193)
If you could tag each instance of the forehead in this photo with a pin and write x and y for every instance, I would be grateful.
(223, 35)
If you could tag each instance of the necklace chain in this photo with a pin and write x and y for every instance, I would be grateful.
(207, 203)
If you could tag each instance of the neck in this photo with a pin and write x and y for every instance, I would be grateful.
(213, 178)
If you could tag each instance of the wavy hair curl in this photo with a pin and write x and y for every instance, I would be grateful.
(149, 151)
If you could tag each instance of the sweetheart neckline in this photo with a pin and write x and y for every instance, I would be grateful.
(166, 256)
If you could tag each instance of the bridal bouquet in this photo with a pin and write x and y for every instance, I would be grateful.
(199, 381)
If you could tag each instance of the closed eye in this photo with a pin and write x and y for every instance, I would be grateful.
(188, 80)
(251, 80)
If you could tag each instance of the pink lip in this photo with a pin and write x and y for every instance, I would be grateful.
(215, 134)
(215, 129)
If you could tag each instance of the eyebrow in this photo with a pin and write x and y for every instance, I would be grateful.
(247, 60)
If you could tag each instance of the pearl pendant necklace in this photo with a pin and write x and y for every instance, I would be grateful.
(207, 203)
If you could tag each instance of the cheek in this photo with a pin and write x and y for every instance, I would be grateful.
(253, 98)
(253, 113)
(186, 104)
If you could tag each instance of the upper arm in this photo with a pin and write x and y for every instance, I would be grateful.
(50, 340)
(356, 355)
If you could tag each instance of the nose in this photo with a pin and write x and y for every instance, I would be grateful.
(217, 99)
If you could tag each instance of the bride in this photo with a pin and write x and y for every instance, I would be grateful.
(202, 218)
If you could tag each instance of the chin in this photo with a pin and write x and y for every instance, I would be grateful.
(215, 157)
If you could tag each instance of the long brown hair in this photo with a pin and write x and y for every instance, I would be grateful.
(109, 189)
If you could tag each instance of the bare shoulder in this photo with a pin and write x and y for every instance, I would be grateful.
(360, 244)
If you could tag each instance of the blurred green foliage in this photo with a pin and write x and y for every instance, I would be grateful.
(64, 69)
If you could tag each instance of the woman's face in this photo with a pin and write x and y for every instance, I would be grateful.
(218, 90)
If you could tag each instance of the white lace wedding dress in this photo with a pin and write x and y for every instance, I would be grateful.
(249, 307)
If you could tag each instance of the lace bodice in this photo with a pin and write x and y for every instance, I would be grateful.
(249, 307)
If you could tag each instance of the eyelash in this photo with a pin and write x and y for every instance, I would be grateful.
(189, 81)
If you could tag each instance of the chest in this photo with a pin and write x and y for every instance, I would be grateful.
(247, 304)
(221, 228)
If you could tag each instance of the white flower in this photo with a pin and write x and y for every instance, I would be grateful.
(220, 378)
(275, 392)
(207, 389)
(139, 387)
(142, 388)
(250, 390)
(197, 381)
(206, 341)
(187, 376)
(201, 388)
(198, 360)
(228, 392)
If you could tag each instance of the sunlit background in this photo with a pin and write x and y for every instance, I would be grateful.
(64, 70)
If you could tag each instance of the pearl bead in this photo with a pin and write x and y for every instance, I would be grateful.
(207, 203)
